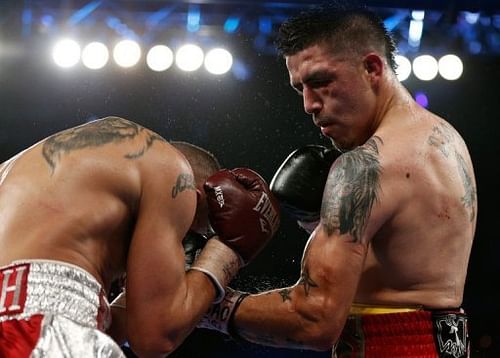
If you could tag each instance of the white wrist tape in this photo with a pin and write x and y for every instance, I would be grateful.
(219, 262)
(219, 316)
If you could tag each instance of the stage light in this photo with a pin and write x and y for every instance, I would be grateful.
(421, 99)
(403, 70)
(418, 15)
(193, 18)
(415, 32)
(471, 17)
(218, 61)
(127, 53)
(189, 57)
(425, 67)
(231, 24)
(66, 53)
(160, 58)
(450, 67)
(95, 55)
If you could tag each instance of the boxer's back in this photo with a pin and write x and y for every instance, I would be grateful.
(420, 253)
(73, 197)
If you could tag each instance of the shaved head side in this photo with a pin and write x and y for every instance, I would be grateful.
(203, 163)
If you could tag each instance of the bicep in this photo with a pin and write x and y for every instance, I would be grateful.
(155, 267)
(352, 193)
(350, 214)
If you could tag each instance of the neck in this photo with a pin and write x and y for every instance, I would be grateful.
(394, 95)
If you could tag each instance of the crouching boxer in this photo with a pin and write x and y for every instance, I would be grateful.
(87, 205)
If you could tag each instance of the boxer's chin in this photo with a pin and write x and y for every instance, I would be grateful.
(338, 146)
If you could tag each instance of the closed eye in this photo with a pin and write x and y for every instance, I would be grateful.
(319, 83)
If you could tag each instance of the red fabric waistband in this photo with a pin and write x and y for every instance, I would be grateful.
(418, 334)
(399, 335)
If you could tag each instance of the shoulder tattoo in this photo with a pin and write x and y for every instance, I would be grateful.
(441, 138)
(95, 134)
(184, 181)
(351, 190)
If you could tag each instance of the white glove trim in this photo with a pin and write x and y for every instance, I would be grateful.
(220, 263)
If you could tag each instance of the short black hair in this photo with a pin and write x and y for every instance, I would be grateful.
(351, 28)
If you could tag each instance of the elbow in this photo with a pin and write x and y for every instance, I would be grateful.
(152, 347)
(322, 336)
(323, 326)
(149, 349)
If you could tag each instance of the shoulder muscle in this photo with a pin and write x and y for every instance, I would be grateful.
(351, 190)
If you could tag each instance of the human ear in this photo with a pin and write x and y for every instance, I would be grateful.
(373, 64)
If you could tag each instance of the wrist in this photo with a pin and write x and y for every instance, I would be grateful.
(220, 316)
(220, 263)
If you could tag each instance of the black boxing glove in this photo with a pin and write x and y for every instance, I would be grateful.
(300, 180)
(242, 210)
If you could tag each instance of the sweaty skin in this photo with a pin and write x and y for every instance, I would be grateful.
(399, 208)
(111, 197)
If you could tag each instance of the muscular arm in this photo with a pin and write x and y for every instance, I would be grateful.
(164, 302)
(311, 314)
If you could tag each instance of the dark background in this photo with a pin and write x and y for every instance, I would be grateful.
(254, 123)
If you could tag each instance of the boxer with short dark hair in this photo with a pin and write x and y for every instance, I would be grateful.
(87, 205)
(384, 269)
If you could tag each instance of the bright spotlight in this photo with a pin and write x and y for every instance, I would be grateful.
(450, 67)
(160, 58)
(404, 68)
(127, 53)
(66, 53)
(95, 55)
(218, 61)
(425, 67)
(189, 57)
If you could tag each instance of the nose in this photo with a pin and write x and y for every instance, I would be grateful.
(312, 102)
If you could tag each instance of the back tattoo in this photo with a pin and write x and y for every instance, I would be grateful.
(95, 134)
(443, 137)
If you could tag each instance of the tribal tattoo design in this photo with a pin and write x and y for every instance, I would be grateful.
(95, 134)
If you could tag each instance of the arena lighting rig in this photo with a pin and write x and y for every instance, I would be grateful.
(200, 34)
(126, 53)
(190, 57)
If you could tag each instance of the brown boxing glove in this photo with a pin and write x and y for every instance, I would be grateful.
(242, 210)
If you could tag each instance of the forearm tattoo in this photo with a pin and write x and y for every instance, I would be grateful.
(95, 134)
(184, 182)
(285, 294)
(351, 190)
(307, 281)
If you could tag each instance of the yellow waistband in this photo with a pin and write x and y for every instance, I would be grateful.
(358, 309)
